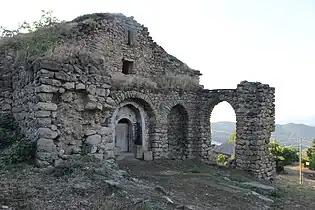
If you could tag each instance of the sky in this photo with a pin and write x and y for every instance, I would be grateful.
(270, 41)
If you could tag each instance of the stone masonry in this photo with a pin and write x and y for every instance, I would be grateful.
(123, 93)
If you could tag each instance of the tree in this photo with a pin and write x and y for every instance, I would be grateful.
(311, 155)
(232, 138)
(46, 19)
(283, 155)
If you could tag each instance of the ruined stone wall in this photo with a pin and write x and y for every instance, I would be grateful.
(106, 36)
(177, 132)
(257, 121)
(72, 105)
(18, 92)
(160, 119)
(24, 100)
(253, 104)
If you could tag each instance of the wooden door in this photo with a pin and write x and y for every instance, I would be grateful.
(122, 130)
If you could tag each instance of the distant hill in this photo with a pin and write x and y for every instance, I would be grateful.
(287, 134)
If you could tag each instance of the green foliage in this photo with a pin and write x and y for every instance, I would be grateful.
(14, 148)
(33, 39)
(232, 138)
(283, 155)
(311, 155)
(222, 159)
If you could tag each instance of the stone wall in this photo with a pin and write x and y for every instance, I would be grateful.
(177, 129)
(253, 104)
(106, 38)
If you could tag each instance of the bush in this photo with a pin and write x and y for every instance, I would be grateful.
(14, 148)
(283, 155)
(222, 159)
(34, 39)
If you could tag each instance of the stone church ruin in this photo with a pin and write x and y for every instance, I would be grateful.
(106, 89)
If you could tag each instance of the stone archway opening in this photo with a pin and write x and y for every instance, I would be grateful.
(177, 132)
(128, 130)
(133, 122)
(223, 132)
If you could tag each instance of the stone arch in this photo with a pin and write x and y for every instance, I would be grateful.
(145, 114)
(177, 132)
(136, 96)
(211, 99)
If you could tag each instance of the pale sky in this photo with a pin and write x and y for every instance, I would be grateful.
(271, 41)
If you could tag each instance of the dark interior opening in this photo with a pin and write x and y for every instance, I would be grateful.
(124, 120)
(129, 37)
(127, 67)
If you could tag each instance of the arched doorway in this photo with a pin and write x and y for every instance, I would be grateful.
(223, 131)
(128, 130)
(177, 132)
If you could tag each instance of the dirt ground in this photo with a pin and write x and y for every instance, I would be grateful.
(138, 185)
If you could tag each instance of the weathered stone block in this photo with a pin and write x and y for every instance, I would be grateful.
(69, 85)
(110, 101)
(46, 145)
(101, 92)
(106, 131)
(51, 82)
(94, 139)
(47, 133)
(62, 76)
(44, 73)
(46, 106)
(80, 86)
(44, 97)
(67, 97)
(61, 90)
(41, 114)
(46, 89)
(91, 89)
(89, 132)
(47, 156)
(90, 105)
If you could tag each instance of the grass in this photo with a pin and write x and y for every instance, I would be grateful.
(165, 83)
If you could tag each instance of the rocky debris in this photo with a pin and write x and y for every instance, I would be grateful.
(262, 197)
(161, 190)
(260, 188)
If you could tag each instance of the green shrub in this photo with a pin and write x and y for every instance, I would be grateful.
(222, 159)
(34, 39)
(14, 148)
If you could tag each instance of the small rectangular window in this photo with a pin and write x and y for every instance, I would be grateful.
(129, 37)
(127, 67)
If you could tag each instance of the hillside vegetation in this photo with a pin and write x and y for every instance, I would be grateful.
(287, 134)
